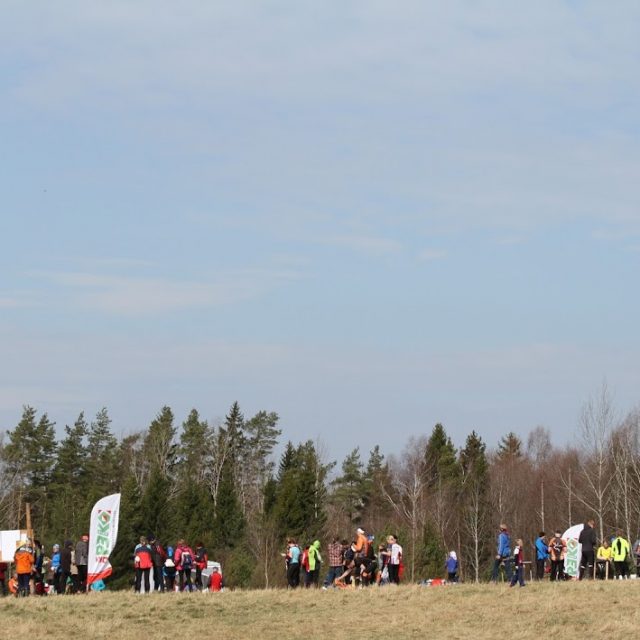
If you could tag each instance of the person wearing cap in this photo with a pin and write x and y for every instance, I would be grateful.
(54, 567)
(503, 554)
(82, 560)
(169, 573)
(361, 542)
(24, 559)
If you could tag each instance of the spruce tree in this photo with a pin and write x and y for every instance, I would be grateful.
(349, 488)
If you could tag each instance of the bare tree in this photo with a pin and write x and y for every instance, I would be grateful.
(597, 421)
(409, 482)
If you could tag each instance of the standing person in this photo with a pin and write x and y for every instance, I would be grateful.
(518, 561)
(38, 567)
(64, 575)
(315, 562)
(452, 567)
(24, 560)
(620, 555)
(143, 560)
(184, 557)
(557, 550)
(74, 572)
(503, 554)
(304, 567)
(587, 539)
(382, 576)
(542, 555)
(54, 567)
(201, 563)
(293, 563)
(159, 556)
(335, 552)
(603, 561)
(395, 559)
(82, 560)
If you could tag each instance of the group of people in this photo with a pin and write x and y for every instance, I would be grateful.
(65, 571)
(609, 560)
(350, 564)
(172, 568)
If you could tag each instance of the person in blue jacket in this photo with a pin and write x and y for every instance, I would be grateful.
(452, 567)
(503, 554)
(542, 555)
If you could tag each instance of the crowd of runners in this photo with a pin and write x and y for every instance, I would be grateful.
(360, 562)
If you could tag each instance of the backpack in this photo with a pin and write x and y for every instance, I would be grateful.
(557, 548)
(186, 561)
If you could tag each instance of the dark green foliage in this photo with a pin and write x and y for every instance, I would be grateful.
(299, 509)
(30, 456)
(130, 528)
(510, 447)
(349, 489)
(229, 522)
(440, 457)
(68, 484)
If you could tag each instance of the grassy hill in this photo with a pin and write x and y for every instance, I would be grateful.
(572, 610)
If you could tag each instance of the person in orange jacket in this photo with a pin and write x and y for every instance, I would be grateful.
(24, 559)
(13, 584)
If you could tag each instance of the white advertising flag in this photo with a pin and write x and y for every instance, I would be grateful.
(103, 533)
(574, 550)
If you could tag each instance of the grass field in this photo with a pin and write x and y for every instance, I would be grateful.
(573, 610)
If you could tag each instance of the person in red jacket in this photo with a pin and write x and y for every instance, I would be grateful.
(215, 581)
(143, 559)
(201, 563)
(184, 559)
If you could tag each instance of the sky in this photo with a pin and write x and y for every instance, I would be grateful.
(368, 217)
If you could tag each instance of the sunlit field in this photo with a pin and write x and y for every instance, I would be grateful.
(570, 610)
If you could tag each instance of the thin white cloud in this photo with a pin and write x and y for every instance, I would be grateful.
(143, 295)
(427, 255)
(371, 245)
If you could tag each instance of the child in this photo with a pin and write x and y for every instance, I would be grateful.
(452, 567)
(518, 559)
(13, 584)
(169, 572)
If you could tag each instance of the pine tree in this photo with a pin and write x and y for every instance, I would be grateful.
(440, 457)
(102, 465)
(510, 447)
(69, 476)
(160, 453)
(474, 503)
(229, 522)
(349, 488)
(30, 456)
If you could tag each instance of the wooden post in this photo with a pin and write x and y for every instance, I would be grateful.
(29, 529)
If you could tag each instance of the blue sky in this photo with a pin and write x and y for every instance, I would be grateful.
(366, 216)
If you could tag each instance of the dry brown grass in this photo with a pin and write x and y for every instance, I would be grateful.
(538, 611)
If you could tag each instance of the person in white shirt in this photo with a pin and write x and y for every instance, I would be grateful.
(395, 558)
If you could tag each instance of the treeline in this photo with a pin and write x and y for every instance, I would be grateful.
(220, 484)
